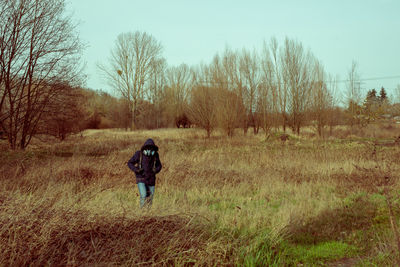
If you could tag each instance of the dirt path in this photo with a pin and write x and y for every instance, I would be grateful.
(345, 262)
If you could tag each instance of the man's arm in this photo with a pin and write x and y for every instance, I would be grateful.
(133, 161)
(158, 165)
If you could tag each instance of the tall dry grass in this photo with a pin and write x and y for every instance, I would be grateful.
(218, 201)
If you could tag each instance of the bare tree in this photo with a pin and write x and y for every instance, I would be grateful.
(397, 94)
(269, 88)
(157, 80)
(230, 109)
(5, 18)
(276, 78)
(321, 99)
(353, 94)
(130, 67)
(65, 114)
(202, 100)
(157, 84)
(250, 71)
(297, 65)
(179, 84)
(202, 108)
(231, 78)
(278, 83)
(39, 48)
(334, 112)
(264, 113)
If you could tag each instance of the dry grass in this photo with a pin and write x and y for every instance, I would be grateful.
(244, 200)
(380, 130)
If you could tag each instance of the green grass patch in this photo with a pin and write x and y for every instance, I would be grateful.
(320, 253)
(263, 251)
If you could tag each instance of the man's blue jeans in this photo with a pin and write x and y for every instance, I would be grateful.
(146, 194)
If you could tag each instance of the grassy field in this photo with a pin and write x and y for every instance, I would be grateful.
(242, 201)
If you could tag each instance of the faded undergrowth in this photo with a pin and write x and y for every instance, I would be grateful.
(240, 201)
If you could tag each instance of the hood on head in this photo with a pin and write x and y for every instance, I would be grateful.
(149, 144)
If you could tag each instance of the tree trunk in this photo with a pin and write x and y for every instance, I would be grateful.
(284, 123)
(134, 111)
(22, 143)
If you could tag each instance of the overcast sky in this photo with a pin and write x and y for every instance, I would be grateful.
(191, 32)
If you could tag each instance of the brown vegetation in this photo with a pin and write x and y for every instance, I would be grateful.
(242, 200)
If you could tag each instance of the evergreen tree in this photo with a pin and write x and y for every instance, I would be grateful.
(371, 107)
(383, 95)
(371, 96)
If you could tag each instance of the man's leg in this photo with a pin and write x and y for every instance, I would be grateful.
(150, 193)
(143, 193)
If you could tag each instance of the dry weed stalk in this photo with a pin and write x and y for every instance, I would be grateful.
(386, 182)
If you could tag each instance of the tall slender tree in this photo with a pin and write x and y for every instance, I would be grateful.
(353, 94)
(321, 98)
(297, 68)
(179, 83)
(130, 67)
(250, 71)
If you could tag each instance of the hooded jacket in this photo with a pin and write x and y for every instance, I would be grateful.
(146, 173)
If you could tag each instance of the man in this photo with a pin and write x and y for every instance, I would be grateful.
(145, 163)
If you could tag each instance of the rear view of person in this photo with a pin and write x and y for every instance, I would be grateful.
(146, 163)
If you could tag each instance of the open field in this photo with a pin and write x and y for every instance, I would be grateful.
(221, 201)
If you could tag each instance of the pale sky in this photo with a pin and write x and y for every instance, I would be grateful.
(191, 32)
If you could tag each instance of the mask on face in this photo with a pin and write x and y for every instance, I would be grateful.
(148, 152)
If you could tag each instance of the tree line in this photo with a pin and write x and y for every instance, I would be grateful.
(282, 85)
(239, 88)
